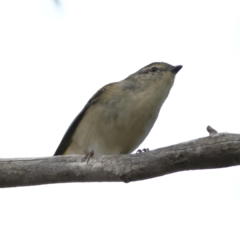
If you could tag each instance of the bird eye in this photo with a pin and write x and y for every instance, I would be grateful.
(153, 69)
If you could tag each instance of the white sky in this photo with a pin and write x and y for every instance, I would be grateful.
(53, 59)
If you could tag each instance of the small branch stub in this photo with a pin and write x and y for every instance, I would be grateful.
(211, 130)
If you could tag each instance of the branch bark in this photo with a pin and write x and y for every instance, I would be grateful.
(216, 151)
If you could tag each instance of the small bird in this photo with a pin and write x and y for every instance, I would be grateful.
(120, 115)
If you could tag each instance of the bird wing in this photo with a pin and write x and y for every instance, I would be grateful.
(67, 138)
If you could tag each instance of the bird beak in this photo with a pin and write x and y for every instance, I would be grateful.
(176, 69)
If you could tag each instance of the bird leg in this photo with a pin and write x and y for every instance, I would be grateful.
(88, 156)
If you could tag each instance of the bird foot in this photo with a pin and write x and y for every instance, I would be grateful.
(143, 150)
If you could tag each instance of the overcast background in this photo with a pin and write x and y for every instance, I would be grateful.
(53, 58)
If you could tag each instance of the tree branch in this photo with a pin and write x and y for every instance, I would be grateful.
(215, 151)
